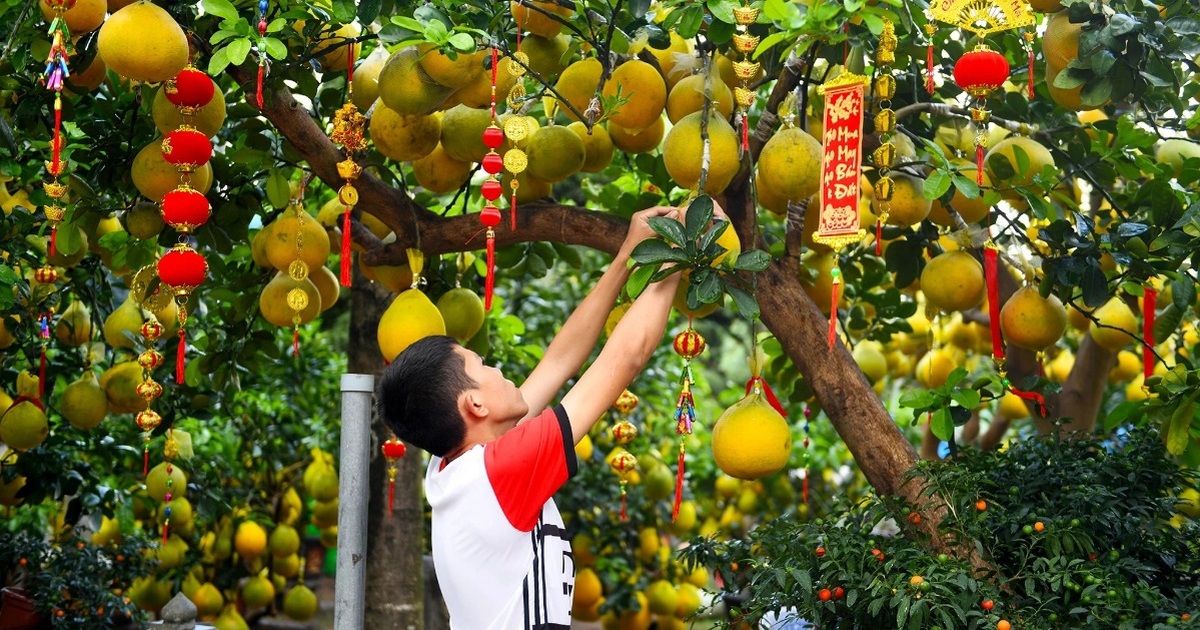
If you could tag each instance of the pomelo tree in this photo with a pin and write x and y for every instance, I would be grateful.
(1088, 192)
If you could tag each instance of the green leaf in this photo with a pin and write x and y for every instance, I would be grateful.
(754, 260)
(218, 61)
(1183, 293)
(1121, 413)
(275, 48)
(699, 215)
(408, 23)
(654, 252)
(8, 275)
(1167, 322)
(1178, 426)
(638, 280)
(942, 425)
(238, 49)
(368, 10)
(68, 241)
(968, 398)
(918, 399)
(462, 42)
(956, 376)
(669, 229)
(709, 288)
(967, 186)
(747, 305)
(936, 185)
(220, 8)
(278, 190)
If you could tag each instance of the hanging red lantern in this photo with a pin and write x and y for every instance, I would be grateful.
(185, 209)
(393, 450)
(190, 90)
(187, 148)
(183, 269)
(981, 71)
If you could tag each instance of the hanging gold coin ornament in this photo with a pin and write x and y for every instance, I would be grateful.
(491, 189)
(393, 449)
(150, 359)
(688, 344)
(884, 157)
(348, 124)
(622, 462)
(56, 71)
(744, 68)
(297, 298)
(517, 129)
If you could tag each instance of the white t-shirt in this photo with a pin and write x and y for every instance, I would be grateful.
(502, 556)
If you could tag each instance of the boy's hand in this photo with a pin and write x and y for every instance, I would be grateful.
(639, 226)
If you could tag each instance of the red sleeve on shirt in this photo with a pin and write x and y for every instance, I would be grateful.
(529, 463)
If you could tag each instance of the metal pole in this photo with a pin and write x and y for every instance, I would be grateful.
(353, 493)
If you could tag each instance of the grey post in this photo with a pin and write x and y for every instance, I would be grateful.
(354, 494)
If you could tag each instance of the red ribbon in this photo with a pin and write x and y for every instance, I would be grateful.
(624, 513)
(180, 355)
(391, 496)
(990, 261)
(835, 297)
(512, 210)
(296, 341)
(54, 240)
(146, 460)
(745, 132)
(345, 279)
(259, 92)
(978, 164)
(1031, 71)
(1034, 396)
(490, 280)
(929, 87)
(350, 63)
(772, 399)
(56, 149)
(678, 486)
(878, 237)
(1149, 304)
(166, 530)
(29, 399)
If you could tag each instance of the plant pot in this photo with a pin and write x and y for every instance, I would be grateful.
(18, 611)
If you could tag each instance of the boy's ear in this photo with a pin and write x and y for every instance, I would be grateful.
(472, 405)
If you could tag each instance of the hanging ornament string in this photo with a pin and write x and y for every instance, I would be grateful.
(393, 450)
(930, 67)
(44, 338)
(1149, 305)
(517, 129)
(688, 344)
(884, 157)
(56, 72)
(260, 50)
(991, 268)
(745, 69)
(807, 455)
(621, 461)
(150, 359)
(1028, 36)
(347, 132)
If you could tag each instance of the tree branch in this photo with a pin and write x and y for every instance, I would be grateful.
(946, 109)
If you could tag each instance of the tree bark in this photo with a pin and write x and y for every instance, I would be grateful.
(395, 544)
(1078, 404)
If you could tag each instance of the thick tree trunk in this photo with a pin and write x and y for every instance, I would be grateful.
(395, 575)
(1078, 404)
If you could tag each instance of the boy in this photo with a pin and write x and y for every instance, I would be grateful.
(499, 547)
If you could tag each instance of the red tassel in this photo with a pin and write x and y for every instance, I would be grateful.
(42, 375)
(512, 210)
(146, 460)
(1034, 396)
(745, 132)
(990, 261)
(833, 307)
(804, 486)
(624, 513)
(259, 93)
(929, 86)
(772, 399)
(54, 240)
(878, 237)
(391, 496)
(979, 165)
(296, 341)
(495, 64)
(350, 64)
(346, 248)
(1030, 71)
(180, 354)
(166, 530)
(1149, 304)
(678, 486)
(490, 280)
(56, 149)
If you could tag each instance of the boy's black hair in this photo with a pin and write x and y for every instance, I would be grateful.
(418, 395)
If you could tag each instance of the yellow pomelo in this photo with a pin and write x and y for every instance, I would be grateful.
(555, 153)
(546, 54)
(680, 301)
(1060, 367)
(1046, 6)
(688, 96)
(634, 619)
(61, 259)
(733, 248)
(614, 317)
(588, 588)
(869, 357)
(669, 60)
(1189, 502)
(150, 594)
(908, 205)
(729, 75)
(462, 132)
(971, 210)
(577, 84)
(934, 367)
(334, 48)
(642, 141)
(659, 482)
(790, 165)
(1174, 151)
(462, 311)
(208, 119)
(208, 601)
(300, 603)
(403, 137)
(452, 73)
(250, 540)
(10, 488)
(478, 93)
(395, 278)
(89, 79)
(325, 513)
(406, 89)
(144, 221)
(257, 592)
(956, 137)
(662, 598)
(182, 516)
(1078, 319)
(689, 596)
(283, 541)
(274, 305)
(157, 479)
(170, 555)
(1116, 325)
(154, 177)
(953, 281)
(6, 336)
(84, 403)
(74, 326)
(750, 439)
(1007, 171)
(230, 619)
(538, 22)
(686, 520)
(85, 17)
(1128, 366)
(1013, 407)
(1060, 42)
(120, 385)
(1069, 98)
(366, 79)
(683, 152)
(597, 146)
(327, 285)
(641, 83)
(411, 316)
(296, 235)
(1032, 322)
(23, 426)
(816, 280)
(287, 566)
(143, 42)
(122, 328)
(529, 188)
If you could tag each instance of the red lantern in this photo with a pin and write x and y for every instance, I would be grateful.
(394, 449)
(185, 209)
(183, 269)
(187, 148)
(492, 163)
(190, 90)
(689, 344)
(491, 189)
(980, 71)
